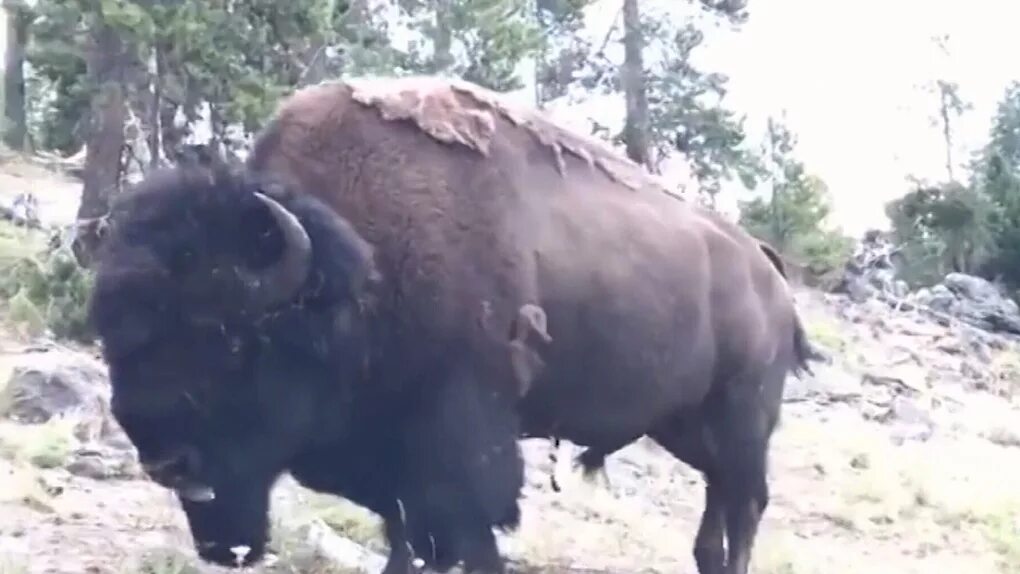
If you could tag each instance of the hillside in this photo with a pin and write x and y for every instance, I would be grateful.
(900, 457)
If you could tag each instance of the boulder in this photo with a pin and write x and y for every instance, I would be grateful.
(829, 384)
(47, 383)
(51, 382)
(978, 302)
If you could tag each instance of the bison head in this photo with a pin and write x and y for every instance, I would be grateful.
(230, 324)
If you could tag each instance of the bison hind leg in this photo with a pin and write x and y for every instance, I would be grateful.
(727, 439)
(683, 438)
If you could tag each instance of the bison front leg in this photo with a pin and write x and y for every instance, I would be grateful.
(464, 470)
(401, 558)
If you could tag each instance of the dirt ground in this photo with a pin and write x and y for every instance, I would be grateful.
(870, 472)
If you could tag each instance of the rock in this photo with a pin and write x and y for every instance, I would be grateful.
(100, 462)
(48, 384)
(23, 210)
(829, 384)
(905, 377)
(90, 466)
(940, 298)
(979, 302)
(860, 291)
(910, 420)
(344, 552)
(973, 373)
(970, 287)
(1003, 435)
(52, 381)
(900, 289)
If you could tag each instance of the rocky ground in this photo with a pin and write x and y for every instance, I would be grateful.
(899, 456)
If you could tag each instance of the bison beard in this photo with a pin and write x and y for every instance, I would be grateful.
(266, 388)
(383, 307)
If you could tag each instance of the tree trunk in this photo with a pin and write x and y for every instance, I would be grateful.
(777, 184)
(15, 122)
(107, 63)
(947, 133)
(442, 42)
(155, 105)
(635, 131)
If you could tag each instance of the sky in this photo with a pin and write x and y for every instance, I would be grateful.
(848, 75)
(848, 78)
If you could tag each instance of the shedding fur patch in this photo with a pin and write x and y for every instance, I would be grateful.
(454, 111)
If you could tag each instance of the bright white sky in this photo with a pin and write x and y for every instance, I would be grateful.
(848, 75)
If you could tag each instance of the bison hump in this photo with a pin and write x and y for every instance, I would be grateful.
(458, 112)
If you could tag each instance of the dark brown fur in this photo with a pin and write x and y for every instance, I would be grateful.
(400, 370)
(503, 215)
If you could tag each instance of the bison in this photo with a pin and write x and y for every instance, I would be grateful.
(404, 278)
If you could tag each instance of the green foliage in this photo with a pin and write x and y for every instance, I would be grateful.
(973, 227)
(685, 103)
(48, 290)
(687, 116)
(997, 176)
(491, 38)
(562, 52)
(56, 53)
(793, 217)
(362, 42)
(239, 57)
(942, 228)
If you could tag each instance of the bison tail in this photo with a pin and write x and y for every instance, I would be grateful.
(803, 351)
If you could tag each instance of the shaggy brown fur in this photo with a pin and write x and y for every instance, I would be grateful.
(665, 319)
(410, 275)
(457, 111)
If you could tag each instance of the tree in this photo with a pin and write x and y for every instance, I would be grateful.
(941, 228)
(687, 115)
(793, 216)
(562, 53)
(997, 177)
(673, 107)
(110, 60)
(15, 126)
(481, 41)
(950, 107)
(115, 60)
(632, 79)
(59, 95)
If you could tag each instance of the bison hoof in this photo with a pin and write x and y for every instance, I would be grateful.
(237, 556)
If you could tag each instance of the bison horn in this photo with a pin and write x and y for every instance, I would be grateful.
(281, 280)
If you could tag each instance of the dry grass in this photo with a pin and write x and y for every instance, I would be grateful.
(922, 503)
(826, 332)
(296, 556)
(17, 242)
(21, 484)
(46, 445)
(1005, 369)
(345, 518)
(19, 315)
(163, 561)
